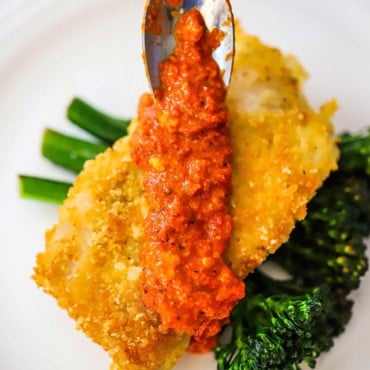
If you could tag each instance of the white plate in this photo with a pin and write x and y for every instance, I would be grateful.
(52, 50)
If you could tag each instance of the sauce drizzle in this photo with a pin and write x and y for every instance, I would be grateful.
(182, 146)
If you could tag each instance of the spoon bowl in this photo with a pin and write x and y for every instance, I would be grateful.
(158, 32)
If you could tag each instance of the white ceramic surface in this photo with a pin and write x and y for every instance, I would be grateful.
(53, 50)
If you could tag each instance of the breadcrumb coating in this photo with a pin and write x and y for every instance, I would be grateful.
(282, 152)
(91, 264)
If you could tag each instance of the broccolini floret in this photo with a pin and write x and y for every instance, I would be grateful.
(283, 323)
(277, 330)
(328, 246)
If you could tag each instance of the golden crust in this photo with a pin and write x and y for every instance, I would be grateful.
(283, 151)
(91, 264)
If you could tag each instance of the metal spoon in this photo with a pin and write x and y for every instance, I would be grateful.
(158, 45)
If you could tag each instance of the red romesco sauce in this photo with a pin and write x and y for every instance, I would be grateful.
(182, 146)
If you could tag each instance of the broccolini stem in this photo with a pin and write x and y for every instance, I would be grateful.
(99, 124)
(355, 152)
(46, 190)
(67, 151)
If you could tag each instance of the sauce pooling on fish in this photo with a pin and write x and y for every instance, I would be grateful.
(182, 147)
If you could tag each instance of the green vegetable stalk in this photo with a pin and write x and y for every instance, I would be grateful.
(355, 152)
(45, 190)
(71, 153)
(67, 151)
(99, 124)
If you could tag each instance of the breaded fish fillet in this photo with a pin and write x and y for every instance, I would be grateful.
(91, 264)
(283, 151)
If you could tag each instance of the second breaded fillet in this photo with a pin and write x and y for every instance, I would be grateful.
(283, 151)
